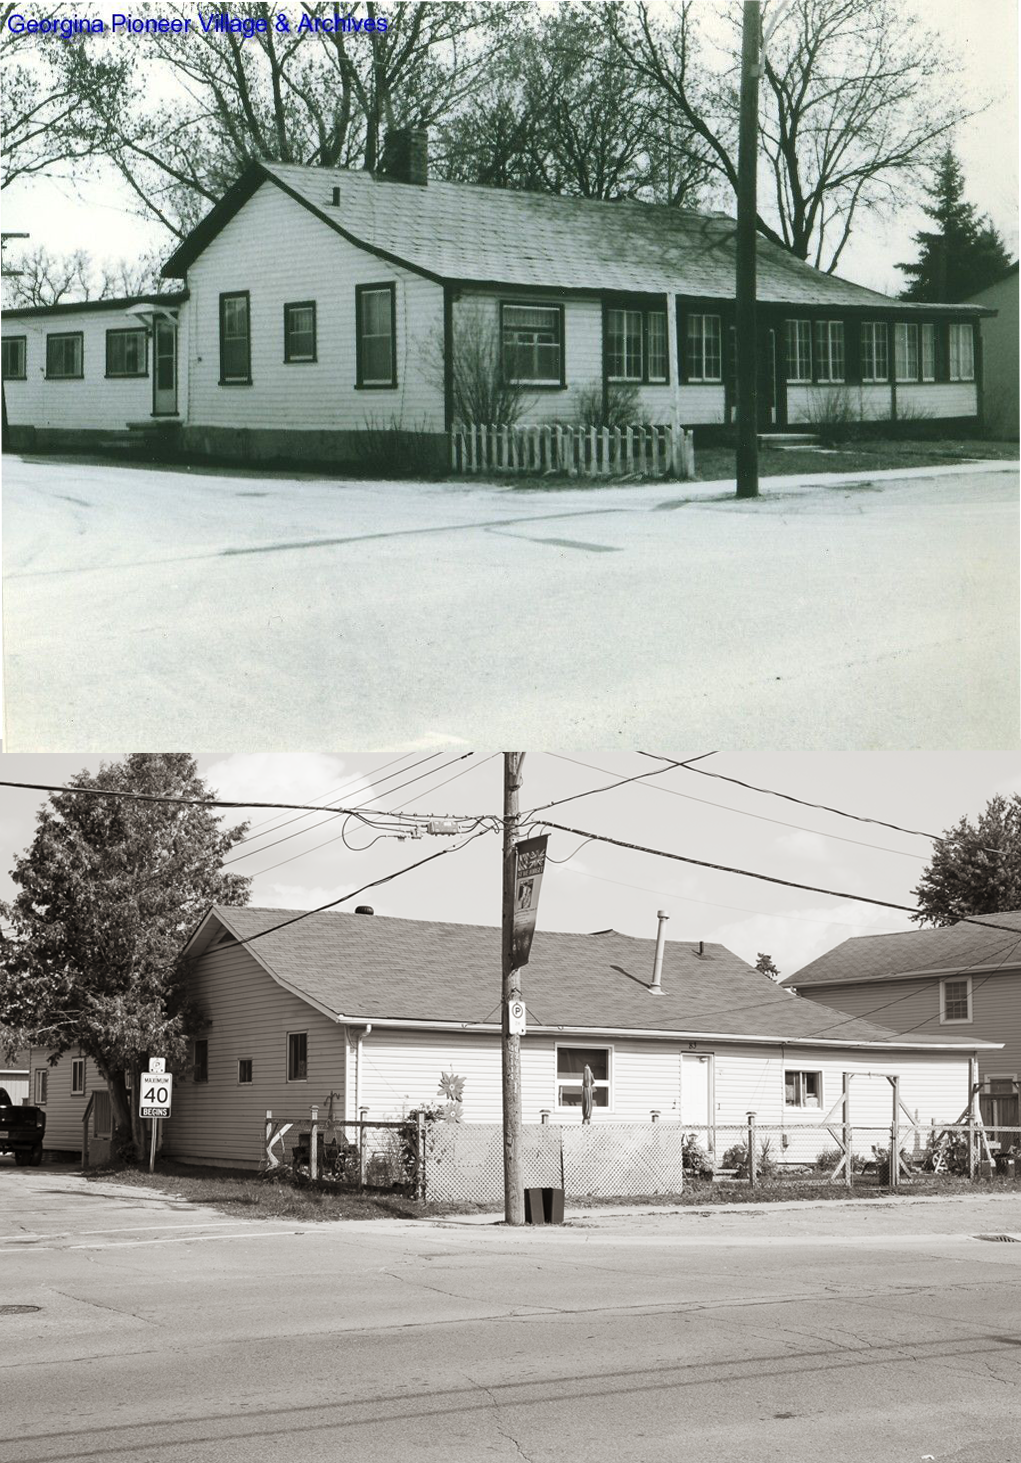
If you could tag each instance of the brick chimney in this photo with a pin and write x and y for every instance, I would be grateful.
(406, 155)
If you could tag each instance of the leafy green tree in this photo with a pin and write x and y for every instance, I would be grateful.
(764, 964)
(109, 891)
(964, 253)
(976, 868)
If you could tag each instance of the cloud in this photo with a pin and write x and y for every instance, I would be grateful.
(804, 845)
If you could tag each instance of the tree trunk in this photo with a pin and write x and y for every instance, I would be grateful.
(120, 1109)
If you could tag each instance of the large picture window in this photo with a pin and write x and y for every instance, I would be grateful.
(875, 361)
(799, 350)
(905, 351)
(962, 353)
(571, 1064)
(125, 353)
(64, 356)
(532, 338)
(14, 357)
(829, 350)
(376, 323)
(300, 331)
(702, 348)
(636, 346)
(235, 340)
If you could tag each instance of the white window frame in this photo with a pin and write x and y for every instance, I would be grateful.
(798, 356)
(826, 333)
(696, 334)
(944, 1019)
(959, 370)
(77, 1076)
(799, 1074)
(874, 331)
(928, 352)
(508, 328)
(632, 374)
(905, 343)
(575, 1107)
(40, 1083)
(287, 1056)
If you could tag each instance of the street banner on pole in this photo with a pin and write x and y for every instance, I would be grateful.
(529, 861)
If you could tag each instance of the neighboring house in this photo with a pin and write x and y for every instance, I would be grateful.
(375, 1010)
(88, 373)
(1000, 356)
(14, 1076)
(959, 980)
(66, 1090)
(322, 306)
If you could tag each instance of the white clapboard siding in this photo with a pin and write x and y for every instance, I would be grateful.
(15, 1084)
(93, 403)
(282, 253)
(222, 1121)
(938, 399)
(996, 1010)
(64, 1109)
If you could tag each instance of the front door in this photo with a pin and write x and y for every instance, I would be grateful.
(767, 380)
(164, 369)
(696, 1097)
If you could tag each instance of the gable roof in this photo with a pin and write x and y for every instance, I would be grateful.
(952, 949)
(359, 968)
(470, 234)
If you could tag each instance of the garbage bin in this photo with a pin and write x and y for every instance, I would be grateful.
(544, 1206)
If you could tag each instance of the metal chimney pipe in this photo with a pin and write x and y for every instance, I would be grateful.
(657, 967)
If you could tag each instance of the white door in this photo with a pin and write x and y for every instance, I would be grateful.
(164, 369)
(696, 1096)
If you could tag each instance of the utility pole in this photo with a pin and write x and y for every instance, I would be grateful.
(746, 342)
(514, 1193)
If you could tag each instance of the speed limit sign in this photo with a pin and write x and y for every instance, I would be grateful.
(155, 1098)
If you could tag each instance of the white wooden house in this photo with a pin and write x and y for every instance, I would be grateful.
(376, 1010)
(321, 306)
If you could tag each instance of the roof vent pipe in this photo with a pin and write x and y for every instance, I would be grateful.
(364, 909)
(701, 947)
(657, 967)
(336, 197)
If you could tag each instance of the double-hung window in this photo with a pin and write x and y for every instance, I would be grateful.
(962, 353)
(77, 1076)
(636, 345)
(235, 339)
(40, 1079)
(702, 348)
(376, 325)
(14, 357)
(955, 999)
(300, 332)
(799, 350)
(125, 353)
(905, 351)
(64, 356)
(875, 361)
(928, 352)
(532, 338)
(571, 1064)
(802, 1089)
(829, 350)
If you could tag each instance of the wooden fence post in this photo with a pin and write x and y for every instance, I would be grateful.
(972, 1082)
(420, 1175)
(362, 1111)
(751, 1150)
(895, 1135)
(313, 1146)
(848, 1135)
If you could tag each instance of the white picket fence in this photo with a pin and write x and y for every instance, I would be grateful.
(645, 451)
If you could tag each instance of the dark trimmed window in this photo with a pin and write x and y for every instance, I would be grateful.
(15, 355)
(244, 1070)
(636, 346)
(571, 1064)
(300, 331)
(297, 1056)
(65, 356)
(532, 340)
(799, 350)
(829, 350)
(962, 353)
(126, 353)
(376, 334)
(702, 348)
(235, 339)
(200, 1065)
(875, 360)
(905, 351)
(78, 1077)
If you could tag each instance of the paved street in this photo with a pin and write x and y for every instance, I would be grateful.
(842, 1332)
(150, 608)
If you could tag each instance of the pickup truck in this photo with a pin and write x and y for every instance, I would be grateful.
(21, 1132)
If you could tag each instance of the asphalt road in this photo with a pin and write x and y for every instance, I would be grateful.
(844, 1332)
(148, 608)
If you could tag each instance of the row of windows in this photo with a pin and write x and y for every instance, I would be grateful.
(819, 355)
(375, 332)
(126, 355)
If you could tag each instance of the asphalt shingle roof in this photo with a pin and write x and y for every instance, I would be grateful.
(373, 968)
(952, 948)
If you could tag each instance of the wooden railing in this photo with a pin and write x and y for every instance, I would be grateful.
(640, 451)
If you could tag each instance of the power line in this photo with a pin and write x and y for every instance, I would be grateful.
(804, 802)
(752, 874)
(622, 782)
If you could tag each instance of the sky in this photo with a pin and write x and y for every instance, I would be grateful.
(97, 213)
(301, 861)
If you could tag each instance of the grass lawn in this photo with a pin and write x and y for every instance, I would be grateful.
(249, 1195)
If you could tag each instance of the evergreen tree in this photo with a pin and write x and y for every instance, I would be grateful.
(964, 253)
(764, 965)
(975, 869)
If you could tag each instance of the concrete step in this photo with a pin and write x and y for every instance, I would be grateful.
(788, 439)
